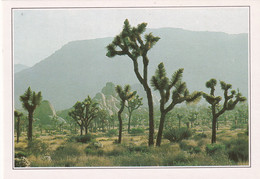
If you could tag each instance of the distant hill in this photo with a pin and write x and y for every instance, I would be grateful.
(45, 113)
(19, 67)
(81, 68)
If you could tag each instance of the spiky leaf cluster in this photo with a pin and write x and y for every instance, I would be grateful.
(30, 99)
(180, 92)
(129, 42)
(125, 93)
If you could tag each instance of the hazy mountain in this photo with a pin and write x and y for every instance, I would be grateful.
(19, 67)
(81, 68)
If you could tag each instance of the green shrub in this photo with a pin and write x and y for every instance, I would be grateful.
(212, 149)
(136, 131)
(20, 155)
(64, 151)
(138, 149)
(94, 149)
(112, 132)
(200, 136)
(190, 148)
(177, 135)
(237, 149)
(37, 147)
(84, 138)
(180, 159)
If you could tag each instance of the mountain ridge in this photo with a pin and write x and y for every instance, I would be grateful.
(81, 68)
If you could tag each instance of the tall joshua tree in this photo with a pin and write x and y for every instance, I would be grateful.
(214, 101)
(132, 105)
(180, 94)
(130, 42)
(30, 100)
(124, 95)
(18, 115)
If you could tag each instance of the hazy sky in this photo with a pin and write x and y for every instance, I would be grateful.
(40, 32)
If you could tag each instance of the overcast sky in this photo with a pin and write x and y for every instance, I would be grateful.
(40, 32)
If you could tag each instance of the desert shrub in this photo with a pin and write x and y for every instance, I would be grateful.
(84, 138)
(180, 159)
(94, 149)
(112, 132)
(37, 147)
(118, 150)
(189, 148)
(177, 135)
(237, 149)
(137, 159)
(136, 131)
(64, 151)
(138, 149)
(212, 149)
(20, 155)
(200, 136)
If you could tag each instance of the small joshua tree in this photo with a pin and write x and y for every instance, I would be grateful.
(214, 101)
(18, 115)
(30, 100)
(180, 94)
(133, 104)
(124, 95)
(84, 112)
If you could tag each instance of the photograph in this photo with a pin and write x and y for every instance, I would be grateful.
(130, 87)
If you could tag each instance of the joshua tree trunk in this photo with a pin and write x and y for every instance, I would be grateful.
(120, 124)
(18, 129)
(129, 122)
(151, 121)
(81, 130)
(214, 122)
(160, 131)
(30, 118)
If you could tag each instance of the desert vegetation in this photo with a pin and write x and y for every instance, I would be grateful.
(117, 128)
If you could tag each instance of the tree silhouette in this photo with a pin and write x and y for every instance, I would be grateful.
(30, 100)
(214, 101)
(180, 94)
(130, 42)
(84, 112)
(124, 95)
(18, 115)
(133, 104)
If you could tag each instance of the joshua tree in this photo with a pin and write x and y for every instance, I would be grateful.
(130, 42)
(77, 114)
(84, 112)
(180, 94)
(133, 104)
(18, 115)
(193, 117)
(124, 96)
(30, 100)
(180, 116)
(214, 101)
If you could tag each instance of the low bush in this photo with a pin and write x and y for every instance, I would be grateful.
(112, 132)
(37, 147)
(177, 135)
(64, 151)
(138, 149)
(237, 149)
(84, 138)
(200, 136)
(136, 131)
(212, 149)
(20, 155)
